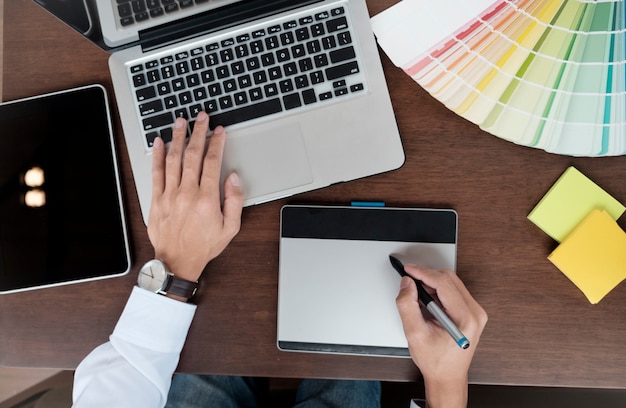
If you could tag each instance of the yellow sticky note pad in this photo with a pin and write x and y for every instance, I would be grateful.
(569, 201)
(593, 256)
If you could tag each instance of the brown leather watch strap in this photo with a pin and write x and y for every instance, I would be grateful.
(181, 287)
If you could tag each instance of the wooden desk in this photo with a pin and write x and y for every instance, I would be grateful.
(541, 329)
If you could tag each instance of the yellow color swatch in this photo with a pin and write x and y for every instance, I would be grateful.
(593, 256)
(569, 201)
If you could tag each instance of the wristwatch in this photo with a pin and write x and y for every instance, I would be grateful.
(156, 277)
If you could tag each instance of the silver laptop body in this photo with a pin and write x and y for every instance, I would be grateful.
(330, 117)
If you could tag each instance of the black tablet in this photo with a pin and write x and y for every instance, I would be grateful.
(61, 212)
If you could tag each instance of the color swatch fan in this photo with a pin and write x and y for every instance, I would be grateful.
(548, 74)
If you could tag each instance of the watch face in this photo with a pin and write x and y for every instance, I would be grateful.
(152, 276)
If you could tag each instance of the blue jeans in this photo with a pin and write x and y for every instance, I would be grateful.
(204, 391)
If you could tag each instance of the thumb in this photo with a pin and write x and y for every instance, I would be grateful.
(408, 307)
(233, 204)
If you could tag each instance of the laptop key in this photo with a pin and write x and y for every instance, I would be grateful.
(150, 138)
(337, 11)
(308, 96)
(260, 77)
(149, 108)
(166, 134)
(342, 70)
(255, 94)
(258, 33)
(167, 71)
(126, 21)
(256, 46)
(253, 63)
(270, 90)
(226, 102)
(211, 59)
(210, 106)
(139, 80)
(170, 8)
(181, 113)
(271, 42)
(124, 10)
(185, 98)
(207, 76)
(241, 98)
(155, 122)
(170, 102)
(317, 30)
(194, 110)
(178, 84)
(153, 76)
(344, 38)
(337, 24)
(215, 89)
(342, 54)
(139, 6)
(329, 42)
(164, 88)
(142, 16)
(193, 80)
(145, 93)
(246, 113)
(356, 87)
(317, 77)
(292, 101)
(156, 12)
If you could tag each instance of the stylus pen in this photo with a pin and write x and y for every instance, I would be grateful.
(432, 306)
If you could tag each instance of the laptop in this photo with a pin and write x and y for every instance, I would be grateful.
(298, 84)
(336, 286)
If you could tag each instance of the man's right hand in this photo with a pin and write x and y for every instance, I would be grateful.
(442, 362)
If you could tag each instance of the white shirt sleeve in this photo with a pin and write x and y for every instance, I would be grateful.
(134, 369)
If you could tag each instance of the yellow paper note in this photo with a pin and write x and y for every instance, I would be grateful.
(593, 256)
(569, 201)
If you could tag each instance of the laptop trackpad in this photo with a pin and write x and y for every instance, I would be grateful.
(268, 161)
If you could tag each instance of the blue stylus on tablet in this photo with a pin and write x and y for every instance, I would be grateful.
(432, 306)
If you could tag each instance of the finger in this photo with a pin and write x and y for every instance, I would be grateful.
(233, 204)
(175, 154)
(158, 168)
(213, 161)
(462, 308)
(412, 319)
(451, 298)
(194, 152)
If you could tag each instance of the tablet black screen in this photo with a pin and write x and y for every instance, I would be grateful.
(61, 217)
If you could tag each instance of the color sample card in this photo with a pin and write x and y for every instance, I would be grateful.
(593, 257)
(541, 73)
(569, 201)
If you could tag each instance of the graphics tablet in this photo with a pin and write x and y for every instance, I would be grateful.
(61, 216)
(337, 289)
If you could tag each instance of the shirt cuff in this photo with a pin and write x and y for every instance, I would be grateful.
(154, 322)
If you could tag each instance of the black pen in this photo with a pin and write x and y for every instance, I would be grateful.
(432, 306)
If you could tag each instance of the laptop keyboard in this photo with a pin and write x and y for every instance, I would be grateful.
(287, 67)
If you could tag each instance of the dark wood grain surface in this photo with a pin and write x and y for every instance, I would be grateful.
(541, 330)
